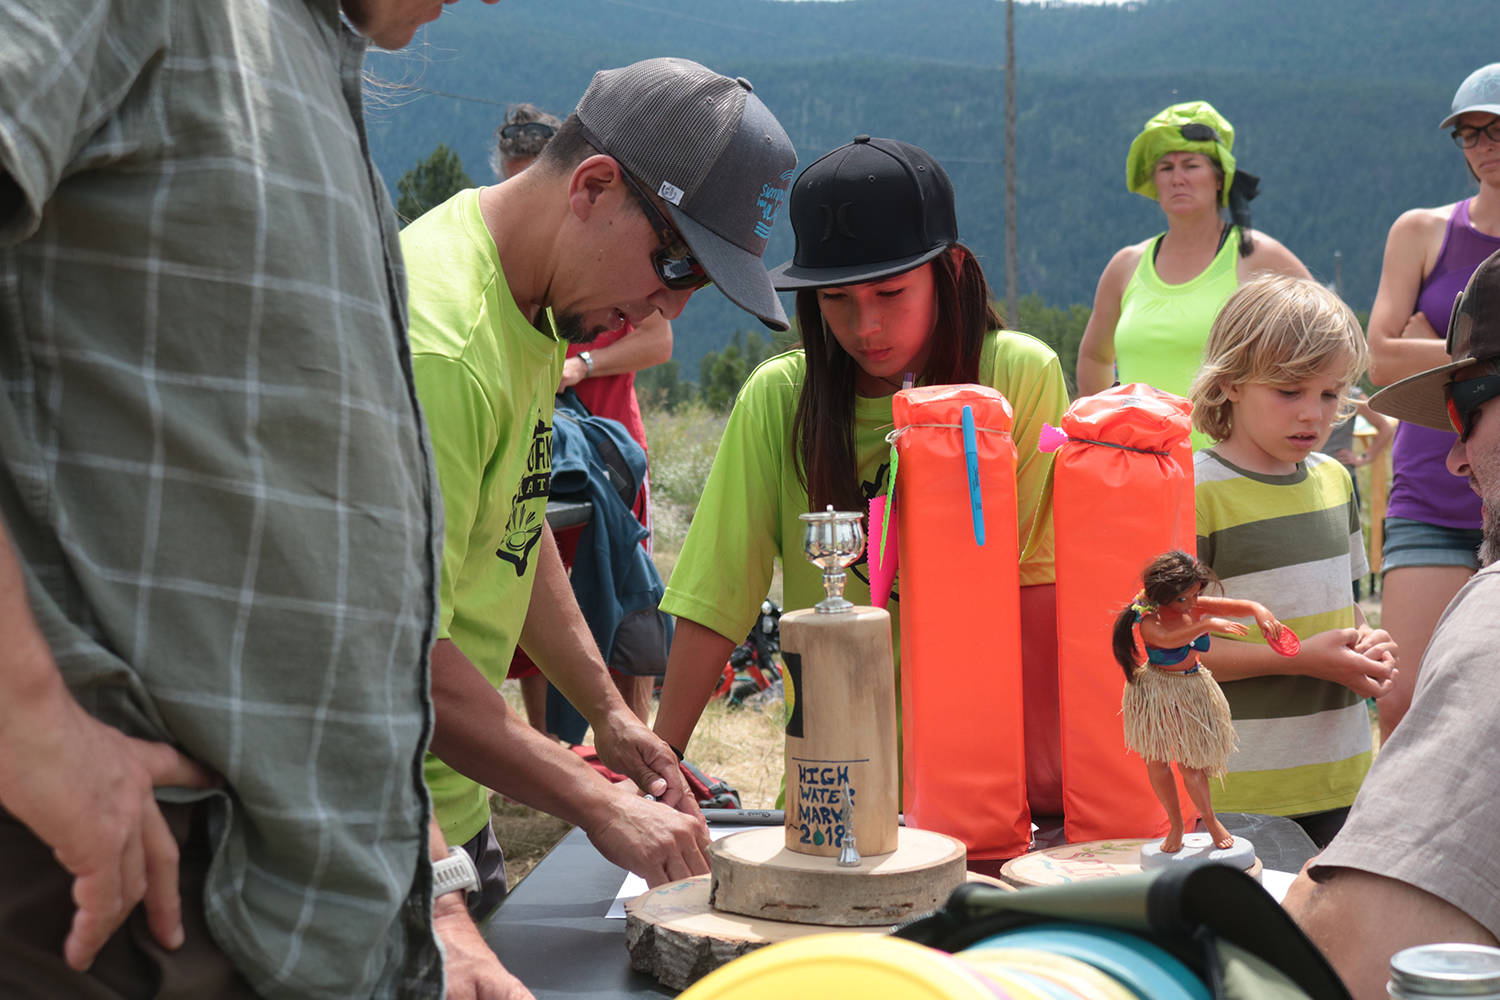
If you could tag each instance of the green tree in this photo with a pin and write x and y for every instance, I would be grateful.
(1059, 328)
(661, 387)
(721, 373)
(430, 183)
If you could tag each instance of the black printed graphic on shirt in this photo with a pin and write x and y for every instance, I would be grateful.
(528, 508)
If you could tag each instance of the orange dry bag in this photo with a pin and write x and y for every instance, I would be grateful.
(1122, 495)
(963, 746)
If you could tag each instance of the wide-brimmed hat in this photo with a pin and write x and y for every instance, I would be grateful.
(707, 146)
(1473, 337)
(867, 210)
(1190, 127)
(1480, 91)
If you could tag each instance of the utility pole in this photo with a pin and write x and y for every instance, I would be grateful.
(1011, 279)
(1338, 273)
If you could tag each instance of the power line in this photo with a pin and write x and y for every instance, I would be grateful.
(443, 93)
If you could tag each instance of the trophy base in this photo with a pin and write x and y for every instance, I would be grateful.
(754, 874)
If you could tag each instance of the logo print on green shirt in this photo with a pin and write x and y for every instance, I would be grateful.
(528, 508)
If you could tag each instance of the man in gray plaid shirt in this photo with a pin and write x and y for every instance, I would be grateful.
(218, 563)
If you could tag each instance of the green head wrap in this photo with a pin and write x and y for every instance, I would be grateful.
(1163, 135)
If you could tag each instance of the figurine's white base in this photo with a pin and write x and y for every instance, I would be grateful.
(1197, 849)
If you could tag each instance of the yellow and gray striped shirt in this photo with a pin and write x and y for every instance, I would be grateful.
(1293, 543)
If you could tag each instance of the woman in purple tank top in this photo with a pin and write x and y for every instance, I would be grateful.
(1432, 526)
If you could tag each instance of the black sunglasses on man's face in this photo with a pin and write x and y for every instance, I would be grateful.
(675, 264)
(1465, 398)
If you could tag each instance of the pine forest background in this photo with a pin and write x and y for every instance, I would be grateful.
(1335, 105)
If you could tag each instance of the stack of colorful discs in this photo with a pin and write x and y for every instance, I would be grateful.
(1144, 968)
(1063, 975)
(1053, 962)
(848, 967)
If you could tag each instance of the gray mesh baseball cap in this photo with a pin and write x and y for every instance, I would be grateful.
(712, 151)
(1480, 91)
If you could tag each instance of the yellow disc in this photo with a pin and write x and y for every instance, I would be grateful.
(1075, 975)
(845, 967)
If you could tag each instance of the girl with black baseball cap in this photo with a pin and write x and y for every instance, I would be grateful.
(885, 293)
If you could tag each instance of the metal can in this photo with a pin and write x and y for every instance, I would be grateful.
(1445, 970)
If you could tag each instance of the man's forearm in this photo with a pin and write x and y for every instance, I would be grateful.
(478, 734)
(557, 638)
(648, 344)
(1232, 660)
(1359, 920)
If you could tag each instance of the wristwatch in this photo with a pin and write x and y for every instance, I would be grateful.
(454, 872)
(588, 363)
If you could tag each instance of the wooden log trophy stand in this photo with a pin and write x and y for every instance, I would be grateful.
(842, 861)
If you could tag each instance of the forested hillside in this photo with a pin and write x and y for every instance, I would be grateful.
(1336, 104)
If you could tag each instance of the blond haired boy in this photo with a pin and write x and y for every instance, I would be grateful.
(1279, 524)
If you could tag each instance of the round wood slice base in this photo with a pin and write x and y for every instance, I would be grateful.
(1081, 862)
(674, 936)
(756, 876)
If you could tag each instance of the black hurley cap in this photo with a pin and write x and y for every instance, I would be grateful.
(867, 210)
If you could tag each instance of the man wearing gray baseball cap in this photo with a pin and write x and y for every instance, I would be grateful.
(1415, 862)
(666, 177)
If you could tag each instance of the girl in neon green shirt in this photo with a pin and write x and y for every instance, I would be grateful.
(884, 289)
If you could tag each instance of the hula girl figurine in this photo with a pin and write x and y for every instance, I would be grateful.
(1172, 706)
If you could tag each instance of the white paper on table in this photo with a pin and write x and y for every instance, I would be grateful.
(634, 885)
(1276, 883)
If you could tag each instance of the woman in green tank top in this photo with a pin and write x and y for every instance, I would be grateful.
(1157, 299)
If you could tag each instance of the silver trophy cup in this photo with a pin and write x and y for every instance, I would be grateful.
(833, 539)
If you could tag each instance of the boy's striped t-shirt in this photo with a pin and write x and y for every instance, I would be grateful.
(1292, 543)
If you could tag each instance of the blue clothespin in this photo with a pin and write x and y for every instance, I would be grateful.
(971, 458)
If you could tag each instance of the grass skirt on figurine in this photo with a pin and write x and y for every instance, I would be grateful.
(1173, 716)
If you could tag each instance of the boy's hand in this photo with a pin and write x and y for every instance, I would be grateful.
(1334, 656)
(1377, 644)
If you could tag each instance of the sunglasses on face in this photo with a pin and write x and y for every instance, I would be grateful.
(1467, 136)
(675, 264)
(1465, 398)
(539, 130)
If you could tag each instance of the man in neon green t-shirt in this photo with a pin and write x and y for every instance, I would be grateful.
(667, 176)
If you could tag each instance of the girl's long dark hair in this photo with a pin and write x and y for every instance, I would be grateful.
(1170, 574)
(823, 427)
